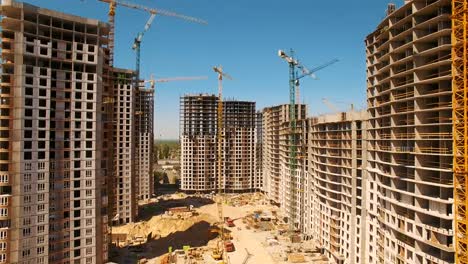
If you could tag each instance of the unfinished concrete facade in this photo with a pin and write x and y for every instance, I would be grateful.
(145, 137)
(409, 94)
(239, 146)
(258, 151)
(334, 213)
(125, 140)
(54, 137)
(198, 139)
(198, 142)
(275, 158)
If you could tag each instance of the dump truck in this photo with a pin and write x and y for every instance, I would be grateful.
(229, 222)
(228, 246)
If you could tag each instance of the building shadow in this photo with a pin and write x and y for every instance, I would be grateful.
(147, 211)
(198, 235)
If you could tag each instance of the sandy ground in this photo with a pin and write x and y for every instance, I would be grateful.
(243, 238)
(161, 231)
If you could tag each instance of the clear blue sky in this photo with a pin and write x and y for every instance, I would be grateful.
(244, 36)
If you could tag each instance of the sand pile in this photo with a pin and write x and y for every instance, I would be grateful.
(159, 226)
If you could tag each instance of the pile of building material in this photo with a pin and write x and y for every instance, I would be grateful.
(156, 227)
(247, 199)
(296, 258)
(191, 255)
(181, 212)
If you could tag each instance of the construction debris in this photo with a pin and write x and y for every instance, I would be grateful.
(184, 229)
(296, 258)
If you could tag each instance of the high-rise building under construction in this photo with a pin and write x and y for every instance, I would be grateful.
(55, 137)
(198, 130)
(334, 204)
(410, 215)
(276, 145)
(133, 141)
(145, 136)
(125, 151)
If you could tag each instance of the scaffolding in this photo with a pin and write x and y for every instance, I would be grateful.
(460, 129)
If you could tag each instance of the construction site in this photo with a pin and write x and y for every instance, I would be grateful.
(182, 228)
(384, 183)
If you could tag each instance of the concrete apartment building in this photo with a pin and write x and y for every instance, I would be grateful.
(239, 146)
(133, 139)
(145, 137)
(258, 151)
(275, 161)
(334, 208)
(198, 142)
(328, 192)
(409, 94)
(198, 139)
(125, 151)
(54, 137)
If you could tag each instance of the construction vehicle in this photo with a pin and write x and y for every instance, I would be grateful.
(223, 246)
(229, 222)
(219, 200)
(294, 77)
(460, 127)
(227, 236)
(112, 6)
(217, 253)
(229, 246)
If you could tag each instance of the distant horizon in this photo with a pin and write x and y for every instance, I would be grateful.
(166, 139)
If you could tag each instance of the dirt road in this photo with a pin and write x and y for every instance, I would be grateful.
(243, 238)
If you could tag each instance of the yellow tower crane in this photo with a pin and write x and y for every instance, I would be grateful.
(333, 107)
(112, 6)
(460, 125)
(153, 82)
(219, 252)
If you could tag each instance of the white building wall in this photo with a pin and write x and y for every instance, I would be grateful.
(125, 147)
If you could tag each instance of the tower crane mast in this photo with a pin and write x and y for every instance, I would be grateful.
(137, 44)
(294, 78)
(219, 200)
(460, 127)
(112, 7)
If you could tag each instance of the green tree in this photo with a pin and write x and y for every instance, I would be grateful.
(164, 151)
(160, 176)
